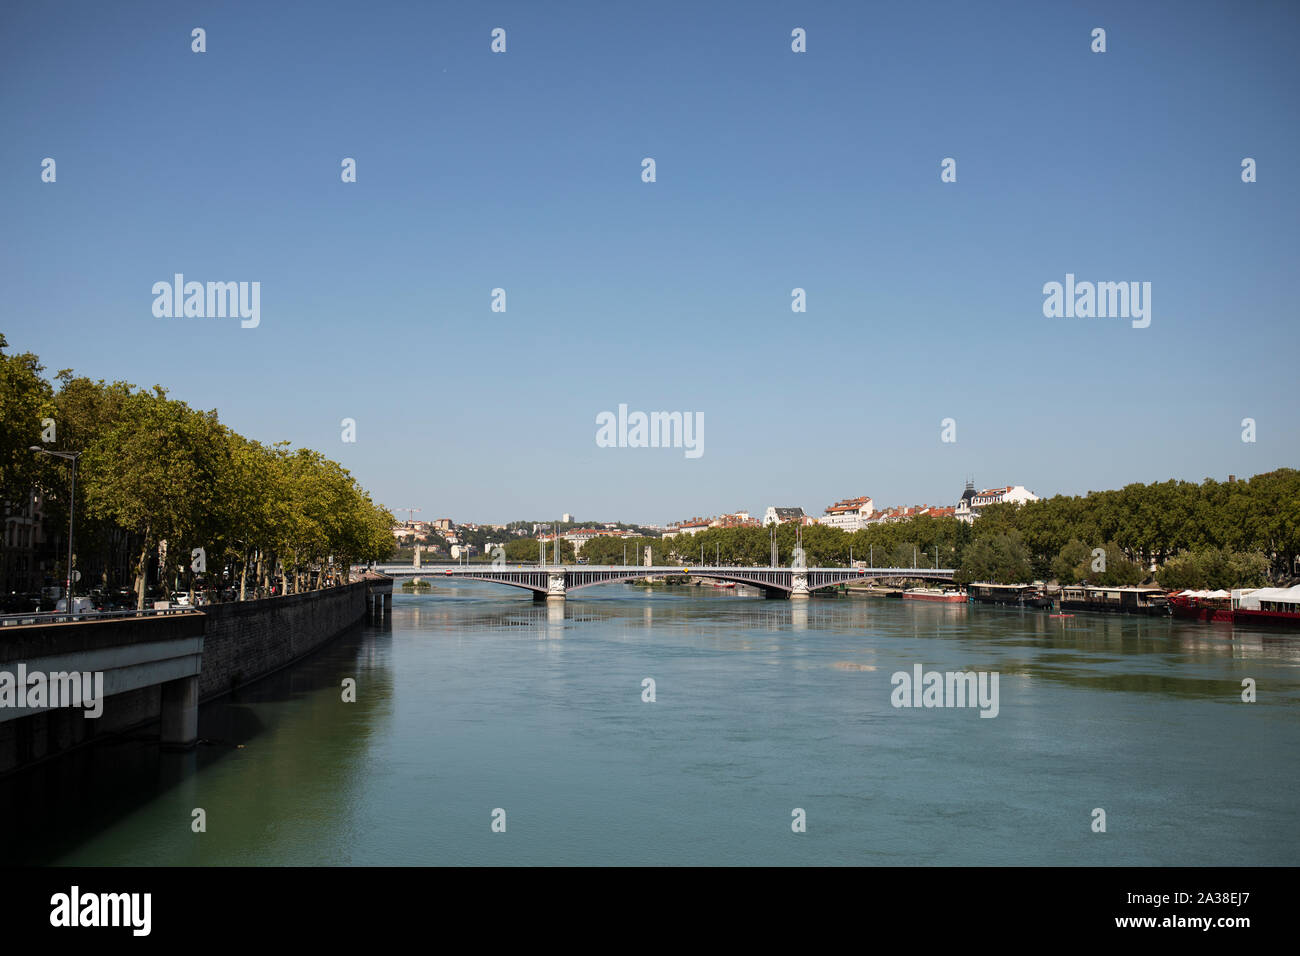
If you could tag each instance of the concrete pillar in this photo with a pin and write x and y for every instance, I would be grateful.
(388, 602)
(555, 586)
(180, 713)
(799, 583)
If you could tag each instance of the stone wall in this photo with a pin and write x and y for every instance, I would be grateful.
(250, 639)
(241, 642)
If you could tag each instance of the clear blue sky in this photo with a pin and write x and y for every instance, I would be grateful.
(775, 170)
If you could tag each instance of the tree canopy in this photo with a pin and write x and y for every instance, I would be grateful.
(156, 470)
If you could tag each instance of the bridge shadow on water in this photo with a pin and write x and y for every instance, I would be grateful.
(56, 805)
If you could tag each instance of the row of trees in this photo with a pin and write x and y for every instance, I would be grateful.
(1152, 523)
(1215, 534)
(154, 471)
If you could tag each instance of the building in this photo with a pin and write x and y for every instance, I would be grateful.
(443, 524)
(893, 515)
(566, 518)
(776, 515)
(963, 509)
(968, 508)
(738, 519)
(580, 536)
(24, 543)
(693, 526)
(849, 514)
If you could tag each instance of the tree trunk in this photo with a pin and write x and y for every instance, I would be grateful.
(140, 571)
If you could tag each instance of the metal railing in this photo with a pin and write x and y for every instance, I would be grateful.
(62, 617)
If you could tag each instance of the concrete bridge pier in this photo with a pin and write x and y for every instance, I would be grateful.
(180, 713)
(556, 586)
(799, 583)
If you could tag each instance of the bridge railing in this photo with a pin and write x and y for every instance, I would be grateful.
(656, 569)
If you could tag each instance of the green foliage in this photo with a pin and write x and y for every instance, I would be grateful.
(997, 558)
(1116, 571)
(1070, 566)
(1214, 568)
(156, 471)
(527, 550)
(1141, 524)
(25, 399)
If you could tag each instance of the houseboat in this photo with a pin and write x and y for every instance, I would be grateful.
(1018, 595)
(1136, 600)
(938, 595)
(1213, 606)
(1273, 606)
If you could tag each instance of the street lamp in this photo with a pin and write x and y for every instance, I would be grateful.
(72, 456)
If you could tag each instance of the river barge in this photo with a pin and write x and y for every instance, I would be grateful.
(1210, 606)
(1119, 600)
(1275, 607)
(935, 595)
(1015, 595)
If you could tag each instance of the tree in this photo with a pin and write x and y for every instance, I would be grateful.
(1214, 568)
(996, 558)
(154, 473)
(1112, 568)
(25, 400)
(1068, 565)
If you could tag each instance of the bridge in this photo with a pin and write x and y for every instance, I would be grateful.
(556, 582)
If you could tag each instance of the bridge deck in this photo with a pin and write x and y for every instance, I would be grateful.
(558, 580)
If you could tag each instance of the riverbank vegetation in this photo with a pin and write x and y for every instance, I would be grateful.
(1213, 534)
(164, 486)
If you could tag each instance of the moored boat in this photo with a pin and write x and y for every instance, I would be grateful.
(1018, 595)
(1271, 606)
(1210, 606)
(1119, 600)
(938, 595)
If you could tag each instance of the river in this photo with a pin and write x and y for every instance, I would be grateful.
(474, 699)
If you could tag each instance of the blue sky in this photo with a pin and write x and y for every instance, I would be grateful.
(775, 170)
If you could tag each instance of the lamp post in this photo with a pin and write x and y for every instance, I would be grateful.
(72, 456)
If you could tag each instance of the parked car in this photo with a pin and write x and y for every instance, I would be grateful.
(16, 603)
(80, 605)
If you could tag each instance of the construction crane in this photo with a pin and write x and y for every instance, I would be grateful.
(410, 513)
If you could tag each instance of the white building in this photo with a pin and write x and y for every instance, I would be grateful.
(968, 508)
(580, 536)
(693, 527)
(776, 515)
(850, 514)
